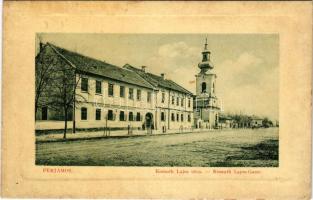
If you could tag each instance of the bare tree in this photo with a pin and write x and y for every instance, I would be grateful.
(45, 68)
(64, 96)
(56, 83)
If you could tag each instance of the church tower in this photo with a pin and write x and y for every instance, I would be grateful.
(206, 104)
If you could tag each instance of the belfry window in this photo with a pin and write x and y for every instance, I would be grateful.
(203, 87)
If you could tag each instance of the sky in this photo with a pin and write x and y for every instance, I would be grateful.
(247, 65)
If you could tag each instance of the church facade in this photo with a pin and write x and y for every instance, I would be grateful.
(206, 104)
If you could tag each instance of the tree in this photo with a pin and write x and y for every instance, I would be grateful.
(44, 69)
(56, 84)
(65, 83)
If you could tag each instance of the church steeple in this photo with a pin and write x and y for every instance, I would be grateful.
(206, 64)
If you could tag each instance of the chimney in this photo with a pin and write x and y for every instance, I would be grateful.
(143, 68)
(163, 76)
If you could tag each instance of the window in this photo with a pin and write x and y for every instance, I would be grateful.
(162, 116)
(122, 116)
(131, 93)
(44, 113)
(98, 87)
(173, 117)
(111, 89)
(177, 117)
(177, 101)
(131, 116)
(188, 103)
(163, 97)
(138, 117)
(138, 95)
(122, 91)
(173, 100)
(83, 113)
(182, 117)
(110, 115)
(84, 85)
(182, 102)
(149, 97)
(203, 87)
(98, 114)
(213, 88)
(189, 118)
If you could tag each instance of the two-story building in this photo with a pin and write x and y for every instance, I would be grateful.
(117, 97)
(173, 108)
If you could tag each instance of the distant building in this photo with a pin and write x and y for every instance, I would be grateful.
(225, 122)
(111, 96)
(256, 121)
(206, 104)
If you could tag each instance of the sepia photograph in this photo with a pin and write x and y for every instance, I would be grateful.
(199, 100)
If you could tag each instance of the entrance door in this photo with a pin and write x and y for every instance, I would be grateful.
(149, 122)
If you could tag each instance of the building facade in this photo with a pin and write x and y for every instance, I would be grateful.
(173, 103)
(206, 103)
(107, 96)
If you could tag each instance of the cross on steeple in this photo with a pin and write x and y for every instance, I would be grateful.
(206, 44)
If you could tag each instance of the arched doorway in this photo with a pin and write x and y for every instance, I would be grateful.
(149, 121)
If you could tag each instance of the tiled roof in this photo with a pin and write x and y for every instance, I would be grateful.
(93, 66)
(158, 81)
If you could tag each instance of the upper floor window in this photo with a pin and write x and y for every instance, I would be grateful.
(83, 113)
(173, 117)
(98, 87)
(131, 116)
(98, 114)
(213, 88)
(163, 97)
(203, 87)
(122, 116)
(149, 97)
(111, 89)
(182, 102)
(131, 93)
(162, 116)
(138, 95)
(177, 101)
(122, 91)
(84, 85)
(110, 115)
(189, 103)
(173, 100)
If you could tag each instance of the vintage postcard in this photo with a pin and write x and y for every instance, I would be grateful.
(137, 100)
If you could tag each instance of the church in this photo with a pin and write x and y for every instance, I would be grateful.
(206, 104)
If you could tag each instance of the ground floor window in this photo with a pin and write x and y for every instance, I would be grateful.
(83, 113)
(173, 117)
(138, 117)
(110, 115)
(98, 114)
(189, 119)
(44, 113)
(177, 117)
(131, 116)
(122, 116)
(162, 116)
